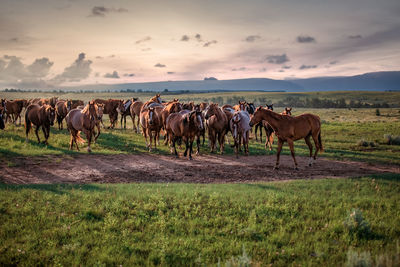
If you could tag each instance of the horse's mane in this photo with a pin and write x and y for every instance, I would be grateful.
(85, 109)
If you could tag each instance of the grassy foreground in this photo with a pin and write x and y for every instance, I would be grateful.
(307, 223)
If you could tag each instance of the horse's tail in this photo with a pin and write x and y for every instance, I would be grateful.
(78, 138)
(28, 123)
(320, 142)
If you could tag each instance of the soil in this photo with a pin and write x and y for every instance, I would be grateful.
(159, 168)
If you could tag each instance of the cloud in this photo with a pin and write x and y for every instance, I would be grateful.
(277, 59)
(40, 67)
(263, 70)
(305, 39)
(129, 74)
(286, 67)
(333, 62)
(354, 36)
(239, 69)
(252, 38)
(78, 70)
(198, 37)
(99, 57)
(145, 39)
(185, 38)
(113, 75)
(170, 72)
(210, 43)
(303, 67)
(159, 65)
(101, 11)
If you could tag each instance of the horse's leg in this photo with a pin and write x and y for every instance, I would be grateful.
(221, 142)
(138, 130)
(122, 118)
(173, 144)
(211, 138)
(71, 142)
(37, 133)
(133, 123)
(291, 146)
(98, 132)
(75, 137)
(278, 153)
(187, 147)
(246, 141)
(191, 148)
(198, 145)
(89, 138)
(307, 139)
(28, 126)
(261, 128)
(316, 139)
(46, 132)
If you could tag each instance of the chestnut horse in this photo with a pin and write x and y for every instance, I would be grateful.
(289, 129)
(154, 99)
(82, 120)
(217, 123)
(287, 111)
(240, 129)
(40, 116)
(185, 125)
(76, 103)
(188, 106)
(241, 106)
(126, 110)
(135, 108)
(100, 108)
(171, 107)
(62, 109)
(151, 121)
(110, 108)
(14, 109)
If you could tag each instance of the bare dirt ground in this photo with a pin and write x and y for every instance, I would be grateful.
(159, 168)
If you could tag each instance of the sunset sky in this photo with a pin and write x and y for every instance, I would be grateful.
(45, 43)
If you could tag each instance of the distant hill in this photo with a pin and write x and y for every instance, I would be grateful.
(374, 81)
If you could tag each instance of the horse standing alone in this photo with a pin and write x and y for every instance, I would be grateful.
(289, 129)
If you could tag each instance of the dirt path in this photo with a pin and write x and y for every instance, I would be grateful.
(158, 168)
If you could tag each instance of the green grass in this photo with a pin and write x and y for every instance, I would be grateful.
(286, 223)
(341, 131)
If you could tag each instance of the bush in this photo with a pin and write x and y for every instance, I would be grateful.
(356, 224)
(377, 112)
(392, 139)
(365, 143)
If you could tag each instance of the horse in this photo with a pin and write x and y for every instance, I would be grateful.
(126, 111)
(250, 108)
(201, 133)
(76, 103)
(62, 109)
(185, 125)
(40, 116)
(2, 125)
(241, 106)
(289, 129)
(171, 107)
(110, 108)
(268, 129)
(203, 106)
(217, 124)
(151, 121)
(45, 101)
(135, 108)
(188, 106)
(154, 99)
(82, 120)
(240, 129)
(100, 108)
(287, 111)
(14, 109)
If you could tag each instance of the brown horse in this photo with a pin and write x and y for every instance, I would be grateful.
(269, 132)
(185, 126)
(45, 101)
(135, 108)
(151, 121)
(14, 109)
(241, 106)
(154, 99)
(82, 120)
(100, 108)
(110, 108)
(217, 124)
(2, 125)
(287, 111)
(188, 106)
(240, 129)
(171, 107)
(289, 129)
(62, 109)
(40, 116)
(203, 106)
(76, 103)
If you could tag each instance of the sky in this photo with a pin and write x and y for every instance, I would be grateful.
(53, 43)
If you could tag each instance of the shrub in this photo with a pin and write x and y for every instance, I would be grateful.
(362, 142)
(377, 112)
(392, 139)
(356, 224)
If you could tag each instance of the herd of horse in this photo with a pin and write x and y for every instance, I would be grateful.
(180, 122)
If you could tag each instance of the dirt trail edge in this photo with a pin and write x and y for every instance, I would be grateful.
(158, 168)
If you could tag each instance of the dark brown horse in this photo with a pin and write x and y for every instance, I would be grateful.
(14, 109)
(62, 109)
(287, 111)
(110, 108)
(76, 103)
(188, 106)
(135, 108)
(125, 111)
(262, 125)
(171, 107)
(217, 124)
(289, 129)
(2, 125)
(40, 116)
(82, 120)
(185, 126)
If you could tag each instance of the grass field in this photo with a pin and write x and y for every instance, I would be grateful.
(305, 223)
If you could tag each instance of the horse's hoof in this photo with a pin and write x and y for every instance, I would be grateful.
(276, 168)
(296, 169)
(190, 158)
(309, 164)
(176, 156)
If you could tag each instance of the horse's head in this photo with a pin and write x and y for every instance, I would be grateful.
(69, 105)
(235, 125)
(287, 111)
(51, 114)
(100, 110)
(210, 110)
(199, 121)
(270, 107)
(53, 101)
(92, 108)
(120, 106)
(242, 105)
(134, 99)
(158, 98)
(250, 108)
(176, 107)
(256, 118)
(151, 115)
(3, 104)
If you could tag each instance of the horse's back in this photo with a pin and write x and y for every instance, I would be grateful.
(73, 119)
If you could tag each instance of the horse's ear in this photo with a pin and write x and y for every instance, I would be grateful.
(290, 109)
